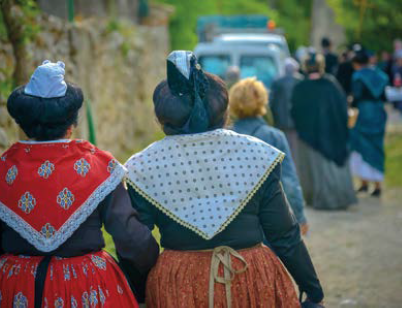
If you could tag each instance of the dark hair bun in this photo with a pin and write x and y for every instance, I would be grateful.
(45, 118)
(325, 42)
(173, 111)
(361, 57)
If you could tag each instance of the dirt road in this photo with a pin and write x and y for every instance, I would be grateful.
(358, 253)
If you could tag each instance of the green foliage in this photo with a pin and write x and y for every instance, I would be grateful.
(183, 22)
(30, 12)
(3, 33)
(125, 48)
(291, 15)
(113, 25)
(294, 16)
(381, 19)
(393, 162)
(6, 83)
(6, 86)
(380, 24)
(30, 28)
(28, 17)
(109, 244)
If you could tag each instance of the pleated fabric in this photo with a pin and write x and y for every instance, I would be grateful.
(181, 279)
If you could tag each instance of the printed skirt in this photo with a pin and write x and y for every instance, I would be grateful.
(220, 278)
(89, 281)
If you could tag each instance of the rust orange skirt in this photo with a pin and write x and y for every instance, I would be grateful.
(182, 278)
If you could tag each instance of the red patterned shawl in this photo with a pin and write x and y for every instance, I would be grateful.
(47, 189)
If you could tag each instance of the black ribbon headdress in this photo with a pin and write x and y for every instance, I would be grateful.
(185, 77)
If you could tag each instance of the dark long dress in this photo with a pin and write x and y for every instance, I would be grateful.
(320, 114)
(344, 76)
(367, 136)
(331, 63)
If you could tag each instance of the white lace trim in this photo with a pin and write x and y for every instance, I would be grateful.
(44, 244)
(57, 141)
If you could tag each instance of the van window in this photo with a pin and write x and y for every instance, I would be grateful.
(215, 64)
(262, 67)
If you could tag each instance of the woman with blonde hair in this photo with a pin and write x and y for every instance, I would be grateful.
(248, 100)
(213, 194)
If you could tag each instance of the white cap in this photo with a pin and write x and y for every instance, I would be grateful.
(47, 81)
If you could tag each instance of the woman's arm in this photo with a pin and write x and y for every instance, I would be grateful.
(283, 234)
(290, 179)
(135, 246)
(145, 213)
(1, 238)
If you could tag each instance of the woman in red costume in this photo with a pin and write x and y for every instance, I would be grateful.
(55, 195)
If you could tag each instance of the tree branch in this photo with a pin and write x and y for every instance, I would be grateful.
(13, 17)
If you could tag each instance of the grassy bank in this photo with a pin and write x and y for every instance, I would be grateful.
(393, 162)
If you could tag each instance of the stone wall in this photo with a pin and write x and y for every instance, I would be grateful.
(127, 9)
(8, 130)
(117, 65)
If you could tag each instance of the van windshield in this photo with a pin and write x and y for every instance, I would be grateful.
(262, 67)
(215, 64)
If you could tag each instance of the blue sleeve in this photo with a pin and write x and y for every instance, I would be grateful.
(291, 183)
(290, 179)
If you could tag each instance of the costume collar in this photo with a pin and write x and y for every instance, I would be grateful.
(375, 80)
(29, 142)
(49, 189)
(202, 181)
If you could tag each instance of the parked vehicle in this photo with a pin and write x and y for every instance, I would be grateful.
(242, 41)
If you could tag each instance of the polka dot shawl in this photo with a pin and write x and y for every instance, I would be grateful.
(204, 180)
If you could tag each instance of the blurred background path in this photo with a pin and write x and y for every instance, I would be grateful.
(357, 253)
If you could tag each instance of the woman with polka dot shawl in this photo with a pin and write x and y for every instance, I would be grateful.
(213, 194)
(56, 193)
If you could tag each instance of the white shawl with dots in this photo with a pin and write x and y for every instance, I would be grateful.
(202, 181)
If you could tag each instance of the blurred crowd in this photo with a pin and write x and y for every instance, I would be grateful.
(340, 66)
(327, 114)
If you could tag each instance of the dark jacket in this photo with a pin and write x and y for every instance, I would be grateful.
(280, 96)
(320, 114)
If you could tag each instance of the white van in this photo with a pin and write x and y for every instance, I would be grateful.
(255, 54)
